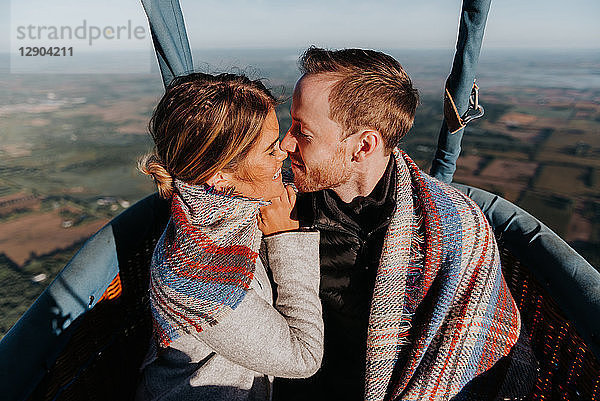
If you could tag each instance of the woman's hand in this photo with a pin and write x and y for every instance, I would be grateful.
(277, 217)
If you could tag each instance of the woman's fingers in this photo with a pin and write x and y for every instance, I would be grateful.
(291, 195)
(277, 217)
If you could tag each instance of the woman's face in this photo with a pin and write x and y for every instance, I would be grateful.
(259, 174)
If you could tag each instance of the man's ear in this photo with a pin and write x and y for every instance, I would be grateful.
(220, 180)
(369, 141)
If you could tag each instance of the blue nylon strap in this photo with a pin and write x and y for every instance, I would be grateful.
(169, 37)
(460, 82)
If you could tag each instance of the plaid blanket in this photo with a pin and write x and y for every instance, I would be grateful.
(440, 256)
(204, 261)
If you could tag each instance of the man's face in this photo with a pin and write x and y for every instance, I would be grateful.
(314, 142)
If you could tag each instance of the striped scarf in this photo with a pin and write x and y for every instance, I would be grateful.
(467, 318)
(204, 261)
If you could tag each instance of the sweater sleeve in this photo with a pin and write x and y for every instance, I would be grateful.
(285, 340)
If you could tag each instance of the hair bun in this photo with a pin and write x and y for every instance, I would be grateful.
(151, 165)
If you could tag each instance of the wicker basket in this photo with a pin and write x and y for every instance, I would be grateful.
(101, 360)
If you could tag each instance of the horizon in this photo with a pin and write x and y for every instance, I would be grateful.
(568, 68)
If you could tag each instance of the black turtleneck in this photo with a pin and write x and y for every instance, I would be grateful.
(364, 213)
(351, 243)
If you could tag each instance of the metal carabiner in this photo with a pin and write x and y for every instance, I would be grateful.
(475, 110)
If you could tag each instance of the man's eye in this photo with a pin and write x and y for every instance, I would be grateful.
(297, 131)
(303, 135)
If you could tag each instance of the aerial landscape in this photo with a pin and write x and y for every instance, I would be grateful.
(69, 146)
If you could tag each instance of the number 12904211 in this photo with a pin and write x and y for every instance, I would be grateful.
(54, 51)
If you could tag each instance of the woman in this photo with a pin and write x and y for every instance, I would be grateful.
(216, 334)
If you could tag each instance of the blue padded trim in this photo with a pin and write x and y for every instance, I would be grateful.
(569, 279)
(34, 342)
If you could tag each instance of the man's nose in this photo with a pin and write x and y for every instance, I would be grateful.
(288, 143)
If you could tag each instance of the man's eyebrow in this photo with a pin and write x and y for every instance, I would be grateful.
(295, 117)
(298, 119)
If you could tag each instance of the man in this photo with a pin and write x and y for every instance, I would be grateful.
(414, 303)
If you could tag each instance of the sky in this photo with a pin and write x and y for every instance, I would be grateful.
(332, 23)
(388, 24)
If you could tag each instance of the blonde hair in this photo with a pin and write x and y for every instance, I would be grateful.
(203, 124)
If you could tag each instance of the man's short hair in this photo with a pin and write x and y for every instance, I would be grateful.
(372, 91)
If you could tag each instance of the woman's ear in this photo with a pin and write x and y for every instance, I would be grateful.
(220, 181)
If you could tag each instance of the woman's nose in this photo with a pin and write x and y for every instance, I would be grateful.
(282, 153)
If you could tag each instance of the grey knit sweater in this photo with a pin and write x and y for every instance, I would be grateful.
(237, 358)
